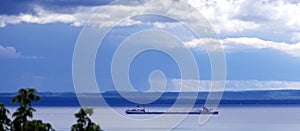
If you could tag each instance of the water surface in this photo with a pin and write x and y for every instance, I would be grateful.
(263, 118)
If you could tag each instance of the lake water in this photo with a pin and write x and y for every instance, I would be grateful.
(266, 118)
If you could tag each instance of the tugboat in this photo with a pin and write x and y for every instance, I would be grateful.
(141, 110)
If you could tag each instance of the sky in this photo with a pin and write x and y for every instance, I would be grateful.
(260, 38)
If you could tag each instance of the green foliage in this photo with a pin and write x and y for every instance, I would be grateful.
(20, 123)
(25, 111)
(37, 125)
(84, 123)
(5, 122)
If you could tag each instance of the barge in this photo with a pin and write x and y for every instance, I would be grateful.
(141, 110)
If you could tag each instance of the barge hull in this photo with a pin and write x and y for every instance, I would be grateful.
(213, 113)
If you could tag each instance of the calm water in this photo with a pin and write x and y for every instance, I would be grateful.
(273, 118)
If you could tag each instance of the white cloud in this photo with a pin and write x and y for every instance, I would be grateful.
(248, 43)
(167, 25)
(242, 15)
(233, 43)
(80, 15)
(41, 17)
(2, 24)
(233, 85)
(226, 16)
(9, 52)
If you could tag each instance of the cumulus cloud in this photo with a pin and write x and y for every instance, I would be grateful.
(41, 17)
(242, 15)
(79, 15)
(226, 16)
(9, 52)
(245, 43)
(232, 44)
(233, 85)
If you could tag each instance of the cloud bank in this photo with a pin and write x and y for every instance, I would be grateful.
(233, 85)
(247, 43)
(225, 16)
(241, 15)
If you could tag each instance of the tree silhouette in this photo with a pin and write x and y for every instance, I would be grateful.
(21, 123)
(84, 123)
(5, 122)
(22, 115)
(37, 125)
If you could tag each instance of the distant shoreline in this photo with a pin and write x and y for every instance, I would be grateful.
(241, 98)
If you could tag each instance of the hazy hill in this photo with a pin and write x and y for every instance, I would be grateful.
(113, 98)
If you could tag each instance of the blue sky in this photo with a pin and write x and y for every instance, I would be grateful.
(261, 40)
